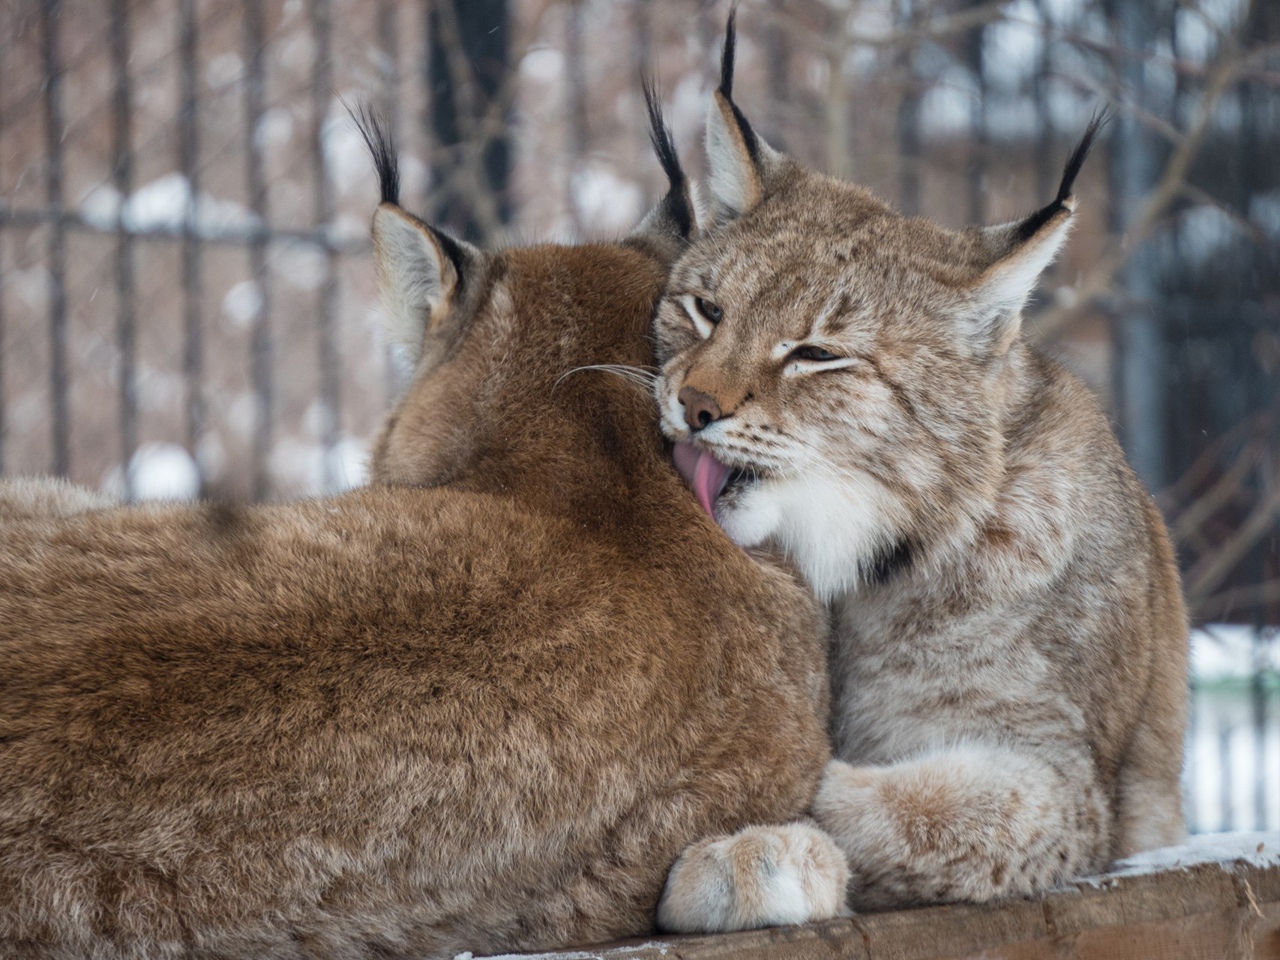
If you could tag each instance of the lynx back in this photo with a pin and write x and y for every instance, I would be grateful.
(480, 705)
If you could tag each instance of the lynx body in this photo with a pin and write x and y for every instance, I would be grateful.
(480, 705)
(850, 387)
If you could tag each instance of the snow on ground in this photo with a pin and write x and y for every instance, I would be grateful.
(1224, 650)
(569, 954)
(1232, 775)
(1258, 848)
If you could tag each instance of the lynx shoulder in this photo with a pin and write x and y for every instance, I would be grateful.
(852, 388)
(478, 706)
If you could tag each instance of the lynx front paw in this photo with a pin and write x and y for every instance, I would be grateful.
(759, 877)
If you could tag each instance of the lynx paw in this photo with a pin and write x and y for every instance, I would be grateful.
(759, 877)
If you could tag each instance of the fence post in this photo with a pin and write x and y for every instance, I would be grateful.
(467, 73)
(1140, 369)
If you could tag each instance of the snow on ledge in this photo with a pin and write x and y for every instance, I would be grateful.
(1260, 849)
(568, 954)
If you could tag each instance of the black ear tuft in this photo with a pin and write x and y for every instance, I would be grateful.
(1077, 158)
(727, 56)
(676, 202)
(1028, 228)
(378, 139)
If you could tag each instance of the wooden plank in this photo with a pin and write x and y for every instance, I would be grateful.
(1226, 910)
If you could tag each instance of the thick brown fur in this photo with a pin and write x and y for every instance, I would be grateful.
(480, 705)
(1009, 658)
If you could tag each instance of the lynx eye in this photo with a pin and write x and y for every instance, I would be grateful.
(708, 309)
(810, 352)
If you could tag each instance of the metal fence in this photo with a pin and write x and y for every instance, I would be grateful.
(187, 306)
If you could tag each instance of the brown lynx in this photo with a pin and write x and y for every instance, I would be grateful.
(481, 705)
(850, 388)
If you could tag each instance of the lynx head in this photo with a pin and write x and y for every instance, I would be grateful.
(493, 334)
(833, 372)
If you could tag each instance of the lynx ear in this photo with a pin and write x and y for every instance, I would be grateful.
(739, 162)
(666, 229)
(420, 269)
(1021, 251)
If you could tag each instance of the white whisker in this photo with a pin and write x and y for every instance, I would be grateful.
(641, 376)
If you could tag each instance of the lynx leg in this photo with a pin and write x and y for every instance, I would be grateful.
(1150, 813)
(758, 877)
(971, 823)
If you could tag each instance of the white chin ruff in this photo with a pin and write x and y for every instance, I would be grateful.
(828, 525)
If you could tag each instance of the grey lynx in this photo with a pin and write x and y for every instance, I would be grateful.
(850, 388)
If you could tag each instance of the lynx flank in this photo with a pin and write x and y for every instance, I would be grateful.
(851, 388)
(481, 705)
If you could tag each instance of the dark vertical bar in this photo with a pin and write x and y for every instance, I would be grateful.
(4, 419)
(1258, 709)
(1141, 370)
(260, 360)
(389, 63)
(467, 68)
(976, 173)
(908, 123)
(576, 147)
(121, 105)
(1040, 91)
(1191, 765)
(1224, 786)
(49, 14)
(188, 160)
(321, 85)
(778, 79)
(642, 24)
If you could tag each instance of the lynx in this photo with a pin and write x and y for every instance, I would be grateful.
(850, 388)
(480, 705)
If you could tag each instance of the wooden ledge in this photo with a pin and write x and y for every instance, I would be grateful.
(1209, 910)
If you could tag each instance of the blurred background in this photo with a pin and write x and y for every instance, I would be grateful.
(187, 299)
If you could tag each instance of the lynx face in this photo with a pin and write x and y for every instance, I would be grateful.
(833, 372)
(830, 364)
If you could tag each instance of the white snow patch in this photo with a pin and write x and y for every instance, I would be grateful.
(1011, 47)
(1197, 40)
(345, 152)
(687, 111)
(569, 954)
(1061, 11)
(605, 200)
(303, 268)
(1264, 210)
(164, 204)
(158, 471)
(1012, 117)
(31, 285)
(243, 303)
(542, 65)
(947, 109)
(1257, 848)
(1225, 650)
(305, 468)
(1205, 230)
(274, 128)
(223, 70)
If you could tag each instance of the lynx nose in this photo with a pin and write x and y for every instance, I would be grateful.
(699, 409)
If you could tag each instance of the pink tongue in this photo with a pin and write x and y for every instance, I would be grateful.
(703, 472)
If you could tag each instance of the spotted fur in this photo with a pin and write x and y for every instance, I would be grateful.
(1010, 647)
